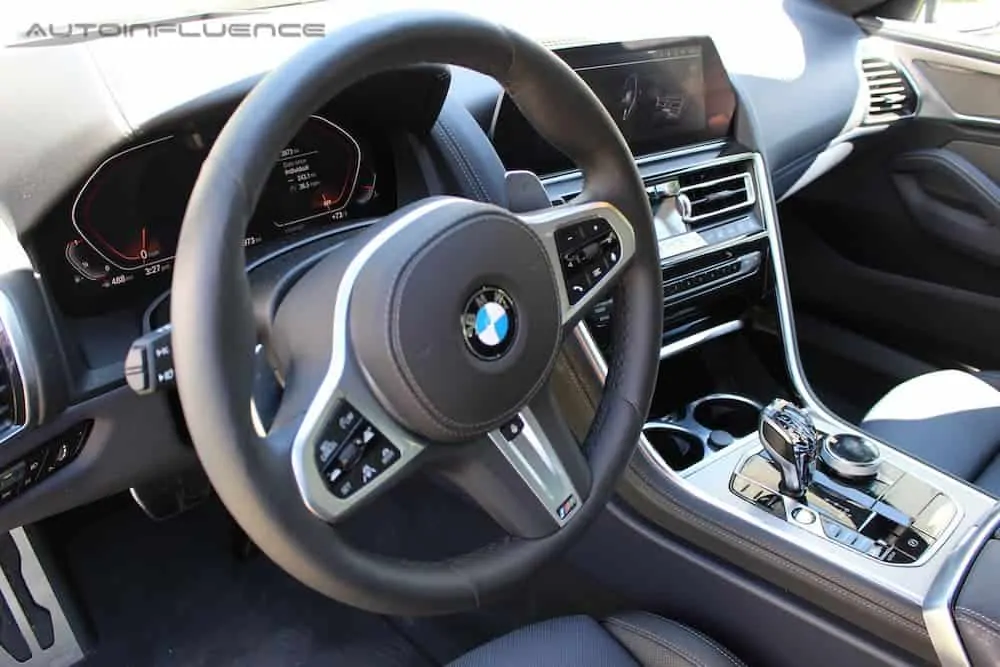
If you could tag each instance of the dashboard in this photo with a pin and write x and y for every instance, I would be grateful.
(114, 246)
(97, 177)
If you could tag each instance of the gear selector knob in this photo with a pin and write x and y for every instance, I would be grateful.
(789, 436)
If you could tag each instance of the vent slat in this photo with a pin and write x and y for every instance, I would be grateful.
(715, 192)
(11, 414)
(890, 96)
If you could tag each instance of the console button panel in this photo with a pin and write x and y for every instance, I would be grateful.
(587, 251)
(42, 461)
(352, 452)
(894, 518)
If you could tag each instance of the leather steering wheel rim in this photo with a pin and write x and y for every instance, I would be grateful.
(214, 328)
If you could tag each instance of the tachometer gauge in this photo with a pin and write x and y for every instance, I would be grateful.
(314, 178)
(85, 260)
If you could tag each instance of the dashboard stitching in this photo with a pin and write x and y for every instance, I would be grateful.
(467, 169)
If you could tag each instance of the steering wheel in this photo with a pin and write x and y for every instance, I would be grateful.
(423, 342)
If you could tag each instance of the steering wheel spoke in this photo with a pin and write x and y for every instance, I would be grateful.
(529, 474)
(348, 450)
(589, 245)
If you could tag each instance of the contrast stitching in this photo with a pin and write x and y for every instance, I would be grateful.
(470, 164)
(982, 626)
(470, 178)
(985, 619)
(659, 641)
(830, 586)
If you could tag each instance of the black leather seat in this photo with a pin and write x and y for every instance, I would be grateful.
(950, 419)
(633, 639)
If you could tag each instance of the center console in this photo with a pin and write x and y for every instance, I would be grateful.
(838, 487)
(787, 489)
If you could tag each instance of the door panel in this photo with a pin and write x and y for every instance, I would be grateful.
(952, 200)
(901, 242)
(985, 156)
(967, 91)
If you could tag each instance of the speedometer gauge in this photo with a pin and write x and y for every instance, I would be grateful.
(130, 208)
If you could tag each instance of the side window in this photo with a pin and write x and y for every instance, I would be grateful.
(975, 21)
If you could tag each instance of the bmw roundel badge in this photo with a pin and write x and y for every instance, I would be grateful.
(489, 323)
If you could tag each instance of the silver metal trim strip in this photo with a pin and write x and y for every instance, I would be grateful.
(532, 456)
(694, 340)
(941, 597)
(25, 372)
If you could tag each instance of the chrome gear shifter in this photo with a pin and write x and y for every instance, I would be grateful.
(791, 439)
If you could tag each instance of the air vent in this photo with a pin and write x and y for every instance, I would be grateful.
(714, 193)
(8, 406)
(13, 410)
(890, 95)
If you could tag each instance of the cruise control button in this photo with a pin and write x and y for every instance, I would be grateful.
(387, 455)
(325, 452)
(343, 423)
(345, 488)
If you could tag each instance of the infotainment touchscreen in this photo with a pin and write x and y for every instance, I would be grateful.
(652, 98)
(661, 94)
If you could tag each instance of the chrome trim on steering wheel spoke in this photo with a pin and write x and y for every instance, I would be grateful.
(343, 381)
(548, 222)
(530, 452)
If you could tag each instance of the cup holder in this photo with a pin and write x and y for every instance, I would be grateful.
(705, 427)
(678, 447)
(736, 415)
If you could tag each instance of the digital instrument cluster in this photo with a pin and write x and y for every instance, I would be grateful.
(126, 219)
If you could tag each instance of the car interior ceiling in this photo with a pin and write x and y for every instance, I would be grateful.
(466, 471)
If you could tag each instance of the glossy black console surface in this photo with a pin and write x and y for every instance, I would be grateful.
(893, 517)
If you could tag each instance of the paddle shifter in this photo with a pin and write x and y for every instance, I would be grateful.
(791, 439)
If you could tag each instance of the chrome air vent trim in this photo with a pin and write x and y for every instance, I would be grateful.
(20, 381)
